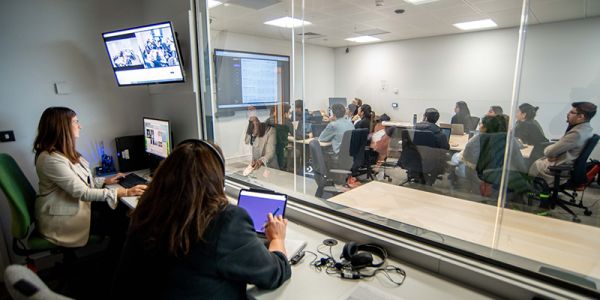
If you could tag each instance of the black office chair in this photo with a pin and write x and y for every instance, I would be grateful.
(578, 181)
(358, 150)
(320, 170)
(421, 158)
(474, 124)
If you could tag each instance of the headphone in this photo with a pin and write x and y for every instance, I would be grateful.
(209, 146)
(361, 255)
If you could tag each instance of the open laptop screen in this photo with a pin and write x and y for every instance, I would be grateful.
(260, 204)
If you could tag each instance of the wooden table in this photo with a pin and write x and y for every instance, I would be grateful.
(558, 243)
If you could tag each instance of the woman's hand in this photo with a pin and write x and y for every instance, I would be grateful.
(257, 164)
(114, 179)
(275, 232)
(135, 191)
(275, 227)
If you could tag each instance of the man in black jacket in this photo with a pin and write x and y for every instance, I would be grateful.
(430, 117)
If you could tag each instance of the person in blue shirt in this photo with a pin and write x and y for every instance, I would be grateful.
(337, 126)
(302, 116)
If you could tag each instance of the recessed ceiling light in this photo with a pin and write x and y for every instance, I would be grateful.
(213, 3)
(363, 39)
(487, 23)
(419, 2)
(287, 22)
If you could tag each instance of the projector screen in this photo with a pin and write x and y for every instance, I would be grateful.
(246, 79)
(144, 55)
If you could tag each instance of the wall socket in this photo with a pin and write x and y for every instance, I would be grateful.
(7, 136)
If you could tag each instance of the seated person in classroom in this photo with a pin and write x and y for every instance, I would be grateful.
(351, 110)
(302, 116)
(283, 128)
(275, 119)
(430, 117)
(495, 110)
(358, 103)
(262, 138)
(71, 203)
(380, 141)
(462, 115)
(568, 148)
(334, 131)
(367, 118)
(193, 244)
(527, 129)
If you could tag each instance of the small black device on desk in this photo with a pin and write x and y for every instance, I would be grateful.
(130, 180)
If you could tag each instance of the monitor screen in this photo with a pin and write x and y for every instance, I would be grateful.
(246, 79)
(144, 55)
(334, 100)
(156, 137)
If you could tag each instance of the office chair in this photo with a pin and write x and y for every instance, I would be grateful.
(24, 284)
(321, 174)
(342, 163)
(21, 198)
(474, 123)
(281, 142)
(420, 157)
(358, 150)
(578, 181)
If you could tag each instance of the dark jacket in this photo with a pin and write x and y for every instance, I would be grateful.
(219, 267)
(441, 141)
(530, 132)
(363, 123)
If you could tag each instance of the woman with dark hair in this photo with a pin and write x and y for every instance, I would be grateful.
(495, 110)
(462, 115)
(67, 187)
(527, 129)
(187, 242)
(262, 138)
(367, 118)
(357, 103)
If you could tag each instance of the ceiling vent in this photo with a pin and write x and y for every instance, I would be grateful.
(310, 35)
(375, 31)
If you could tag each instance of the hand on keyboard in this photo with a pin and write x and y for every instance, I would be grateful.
(131, 180)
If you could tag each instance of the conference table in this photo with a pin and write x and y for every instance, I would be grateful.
(544, 240)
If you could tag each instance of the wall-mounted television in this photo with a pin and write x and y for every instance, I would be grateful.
(146, 54)
(246, 79)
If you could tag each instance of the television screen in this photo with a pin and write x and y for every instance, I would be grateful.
(246, 79)
(334, 100)
(156, 137)
(144, 55)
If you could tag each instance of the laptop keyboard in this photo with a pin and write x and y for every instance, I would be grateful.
(131, 180)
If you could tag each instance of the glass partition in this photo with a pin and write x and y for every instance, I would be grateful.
(406, 115)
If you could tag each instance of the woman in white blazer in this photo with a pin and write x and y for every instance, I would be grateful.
(67, 186)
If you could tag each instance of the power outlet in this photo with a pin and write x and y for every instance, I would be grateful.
(7, 136)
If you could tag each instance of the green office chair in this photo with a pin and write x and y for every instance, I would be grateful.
(21, 197)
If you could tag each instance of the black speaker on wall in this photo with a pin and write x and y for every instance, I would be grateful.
(131, 153)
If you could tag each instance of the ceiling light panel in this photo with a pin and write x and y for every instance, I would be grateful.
(287, 22)
(363, 39)
(480, 24)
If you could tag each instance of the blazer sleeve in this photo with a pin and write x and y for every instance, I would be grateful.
(60, 173)
(566, 143)
(243, 257)
(269, 150)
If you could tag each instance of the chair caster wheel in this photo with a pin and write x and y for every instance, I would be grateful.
(587, 212)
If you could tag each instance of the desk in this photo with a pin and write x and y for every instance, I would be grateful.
(307, 141)
(546, 240)
(458, 143)
(398, 124)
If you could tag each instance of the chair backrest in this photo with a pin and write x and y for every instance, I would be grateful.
(423, 138)
(474, 123)
(578, 175)
(20, 195)
(410, 158)
(23, 284)
(318, 159)
(344, 159)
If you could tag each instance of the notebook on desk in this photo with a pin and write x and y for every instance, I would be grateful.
(258, 204)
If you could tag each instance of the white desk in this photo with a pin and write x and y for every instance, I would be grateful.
(398, 124)
(564, 244)
(307, 141)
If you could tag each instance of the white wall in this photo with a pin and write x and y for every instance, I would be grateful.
(561, 65)
(319, 77)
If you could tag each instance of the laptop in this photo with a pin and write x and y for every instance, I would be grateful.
(446, 132)
(458, 129)
(258, 204)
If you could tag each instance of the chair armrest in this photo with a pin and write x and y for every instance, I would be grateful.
(560, 168)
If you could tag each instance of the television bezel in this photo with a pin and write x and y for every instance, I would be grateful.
(177, 48)
(241, 108)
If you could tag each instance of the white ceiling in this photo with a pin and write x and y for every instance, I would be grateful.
(336, 20)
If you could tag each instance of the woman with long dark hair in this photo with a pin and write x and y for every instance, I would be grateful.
(462, 115)
(263, 140)
(187, 242)
(367, 118)
(527, 129)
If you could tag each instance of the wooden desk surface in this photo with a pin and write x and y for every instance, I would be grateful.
(546, 240)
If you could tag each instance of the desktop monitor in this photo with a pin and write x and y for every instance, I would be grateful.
(334, 100)
(144, 55)
(157, 141)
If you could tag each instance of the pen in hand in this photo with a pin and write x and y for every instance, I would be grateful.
(275, 211)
